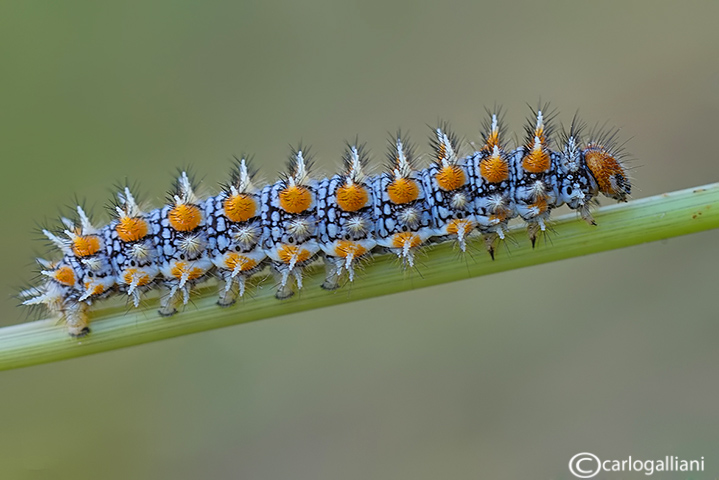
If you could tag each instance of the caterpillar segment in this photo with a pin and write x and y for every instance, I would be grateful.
(576, 186)
(535, 182)
(448, 190)
(401, 213)
(491, 179)
(58, 293)
(289, 221)
(83, 275)
(130, 246)
(234, 233)
(346, 229)
(181, 243)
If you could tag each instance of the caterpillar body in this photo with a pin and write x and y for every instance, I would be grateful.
(291, 223)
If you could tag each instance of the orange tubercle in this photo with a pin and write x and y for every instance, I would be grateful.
(134, 275)
(403, 190)
(64, 275)
(185, 217)
(499, 216)
(84, 246)
(288, 252)
(450, 178)
(494, 169)
(537, 160)
(540, 204)
(345, 248)
(180, 269)
(97, 289)
(295, 199)
(460, 225)
(351, 198)
(240, 208)
(233, 260)
(400, 240)
(131, 229)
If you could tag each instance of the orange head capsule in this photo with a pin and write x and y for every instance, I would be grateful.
(608, 171)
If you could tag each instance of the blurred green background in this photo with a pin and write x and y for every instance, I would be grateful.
(505, 376)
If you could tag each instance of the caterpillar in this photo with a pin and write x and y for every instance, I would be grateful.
(343, 219)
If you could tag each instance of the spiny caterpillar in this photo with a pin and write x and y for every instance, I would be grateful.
(291, 223)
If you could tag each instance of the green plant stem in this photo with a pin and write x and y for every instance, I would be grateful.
(640, 221)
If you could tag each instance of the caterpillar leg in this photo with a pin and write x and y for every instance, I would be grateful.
(284, 275)
(75, 316)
